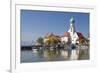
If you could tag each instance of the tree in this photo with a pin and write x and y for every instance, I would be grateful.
(40, 41)
(52, 40)
(83, 41)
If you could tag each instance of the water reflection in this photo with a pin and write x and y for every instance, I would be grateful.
(53, 54)
(42, 55)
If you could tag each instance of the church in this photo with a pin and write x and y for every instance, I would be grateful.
(72, 35)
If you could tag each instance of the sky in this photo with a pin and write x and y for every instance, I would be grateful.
(35, 24)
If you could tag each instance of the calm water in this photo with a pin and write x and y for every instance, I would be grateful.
(53, 55)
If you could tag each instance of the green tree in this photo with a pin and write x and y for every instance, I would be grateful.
(40, 41)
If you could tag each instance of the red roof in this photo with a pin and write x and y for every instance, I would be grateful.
(80, 35)
(66, 34)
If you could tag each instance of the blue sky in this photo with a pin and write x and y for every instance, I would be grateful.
(36, 24)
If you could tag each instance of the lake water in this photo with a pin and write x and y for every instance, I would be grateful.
(53, 55)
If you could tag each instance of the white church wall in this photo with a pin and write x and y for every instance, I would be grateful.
(74, 38)
(64, 39)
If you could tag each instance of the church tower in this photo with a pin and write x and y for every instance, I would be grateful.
(72, 27)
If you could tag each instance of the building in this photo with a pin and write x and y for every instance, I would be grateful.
(66, 38)
(51, 38)
(72, 36)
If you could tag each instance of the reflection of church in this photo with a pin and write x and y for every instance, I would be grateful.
(72, 36)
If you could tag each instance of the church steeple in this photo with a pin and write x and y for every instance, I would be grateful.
(72, 21)
(72, 28)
